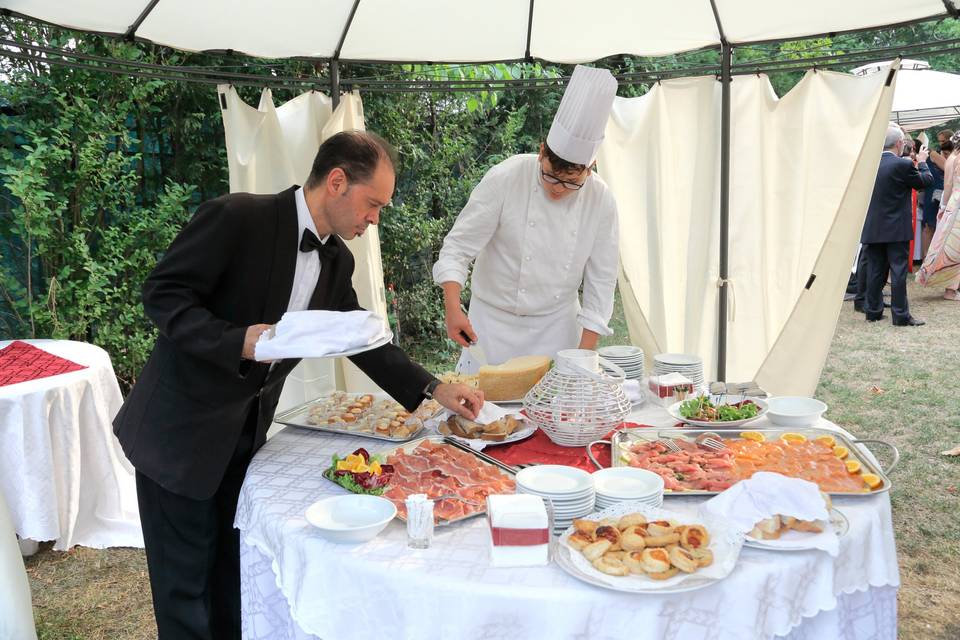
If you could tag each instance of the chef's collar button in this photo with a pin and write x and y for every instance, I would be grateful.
(532, 223)
(527, 258)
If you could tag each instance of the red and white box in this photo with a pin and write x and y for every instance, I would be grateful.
(519, 530)
(669, 388)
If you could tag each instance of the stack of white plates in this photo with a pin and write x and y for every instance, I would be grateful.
(627, 484)
(689, 366)
(627, 357)
(569, 490)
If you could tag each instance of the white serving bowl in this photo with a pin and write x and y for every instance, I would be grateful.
(794, 411)
(627, 483)
(351, 518)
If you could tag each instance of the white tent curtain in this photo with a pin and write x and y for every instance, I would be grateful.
(802, 170)
(418, 30)
(270, 148)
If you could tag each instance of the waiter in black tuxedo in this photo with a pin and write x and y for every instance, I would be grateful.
(888, 228)
(201, 406)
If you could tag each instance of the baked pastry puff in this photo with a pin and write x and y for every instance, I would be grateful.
(611, 533)
(694, 536)
(579, 540)
(630, 520)
(610, 565)
(655, 560)
(596, 549)
(631, 538)
(585, 526)
(683, 560)
(661, 527)
(664, 575)
(703, 556)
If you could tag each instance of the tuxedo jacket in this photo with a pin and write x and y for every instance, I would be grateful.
(230, 267)
(890, 216)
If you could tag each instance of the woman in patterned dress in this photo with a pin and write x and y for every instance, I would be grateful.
(941, 267)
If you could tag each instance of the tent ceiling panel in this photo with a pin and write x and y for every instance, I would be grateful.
(441, 31)
(425, 30)
(756, 20)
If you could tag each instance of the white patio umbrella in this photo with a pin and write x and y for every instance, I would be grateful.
(440, 30)
(923, 97)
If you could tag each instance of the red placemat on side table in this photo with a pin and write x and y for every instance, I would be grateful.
(22, 362)
(540, 449)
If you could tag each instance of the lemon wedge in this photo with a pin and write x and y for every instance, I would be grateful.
(841, 452)
(853, 466)
(793, 437)
(756, 436)
(873, 481)
(828, 441)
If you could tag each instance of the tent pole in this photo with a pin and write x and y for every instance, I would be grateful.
(335, 83)
(725, 59)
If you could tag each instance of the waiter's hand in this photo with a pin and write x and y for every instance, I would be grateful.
(459, 328)
(250, 339)
(460, 399)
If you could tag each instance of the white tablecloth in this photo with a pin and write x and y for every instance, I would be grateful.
(295, 584)
(62, 471)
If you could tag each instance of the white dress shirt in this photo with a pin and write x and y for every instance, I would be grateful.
(307, 271)
(532, 253)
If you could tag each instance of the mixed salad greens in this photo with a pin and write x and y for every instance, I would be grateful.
(703, 409)
(360, 472)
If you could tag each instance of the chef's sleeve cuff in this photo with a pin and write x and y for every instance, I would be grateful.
(592, 321)
(449, 274)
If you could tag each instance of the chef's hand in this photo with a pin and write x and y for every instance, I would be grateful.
(460, 399)
(250, 339)
(459, 328)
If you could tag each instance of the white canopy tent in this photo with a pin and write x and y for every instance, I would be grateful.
(924, 97)
(564, 31)
(561, 31)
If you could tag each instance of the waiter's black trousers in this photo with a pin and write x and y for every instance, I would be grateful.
(193, 553)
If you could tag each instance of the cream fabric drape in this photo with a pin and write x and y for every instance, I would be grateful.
(270, 148)
(802, 172)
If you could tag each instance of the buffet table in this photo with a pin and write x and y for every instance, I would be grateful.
(295, 584)
(62, 471)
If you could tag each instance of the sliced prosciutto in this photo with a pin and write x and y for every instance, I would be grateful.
(693, 468)
(440, 469)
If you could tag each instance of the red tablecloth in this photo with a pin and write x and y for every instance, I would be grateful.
(22, 362)
(538, 448)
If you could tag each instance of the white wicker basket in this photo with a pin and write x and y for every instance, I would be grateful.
(575, 406)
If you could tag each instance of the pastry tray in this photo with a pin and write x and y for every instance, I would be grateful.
(771, 433)
(485, 459)
(298, 417)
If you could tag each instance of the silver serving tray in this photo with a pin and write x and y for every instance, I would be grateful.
(626, 437)
(298, 417)
(484, 459)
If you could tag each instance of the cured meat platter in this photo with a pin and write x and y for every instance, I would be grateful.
(455, 476)
(688, 467)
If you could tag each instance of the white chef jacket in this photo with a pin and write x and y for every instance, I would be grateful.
(532, 255)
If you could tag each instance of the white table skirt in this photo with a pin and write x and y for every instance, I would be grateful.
(62, 471)
(298, 585)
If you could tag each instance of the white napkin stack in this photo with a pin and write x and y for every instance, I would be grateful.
(633, 390)
(765, 495)
(317, 334)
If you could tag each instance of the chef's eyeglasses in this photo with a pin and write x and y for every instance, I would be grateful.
(552, 179)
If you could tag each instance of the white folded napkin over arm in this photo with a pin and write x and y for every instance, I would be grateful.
(767, 494)
(318, 334)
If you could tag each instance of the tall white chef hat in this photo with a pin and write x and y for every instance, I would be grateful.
(577, 129)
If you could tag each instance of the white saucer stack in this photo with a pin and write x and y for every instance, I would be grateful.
(569, 490)
(627, 484)
(689, 366)
(625, 356)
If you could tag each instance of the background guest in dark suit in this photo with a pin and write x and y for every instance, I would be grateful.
(888, 228)
(202, 406)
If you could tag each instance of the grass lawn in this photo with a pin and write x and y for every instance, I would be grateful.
(893, 383)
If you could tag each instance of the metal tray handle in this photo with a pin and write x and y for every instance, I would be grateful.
(590, 452)
(896, 454)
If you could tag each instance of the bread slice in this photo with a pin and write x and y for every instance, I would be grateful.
(512, 379)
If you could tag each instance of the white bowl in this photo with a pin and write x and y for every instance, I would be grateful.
(351, 518)
(555, 480)
(794, 411)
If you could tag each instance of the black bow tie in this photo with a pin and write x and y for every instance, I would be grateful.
(310, 242)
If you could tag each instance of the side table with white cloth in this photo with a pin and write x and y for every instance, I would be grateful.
(62, 471)
(297, 585)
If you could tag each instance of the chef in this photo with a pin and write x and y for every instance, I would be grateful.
(538, 228)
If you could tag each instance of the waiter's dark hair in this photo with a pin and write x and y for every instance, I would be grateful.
(559, 164)
(356, 152)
